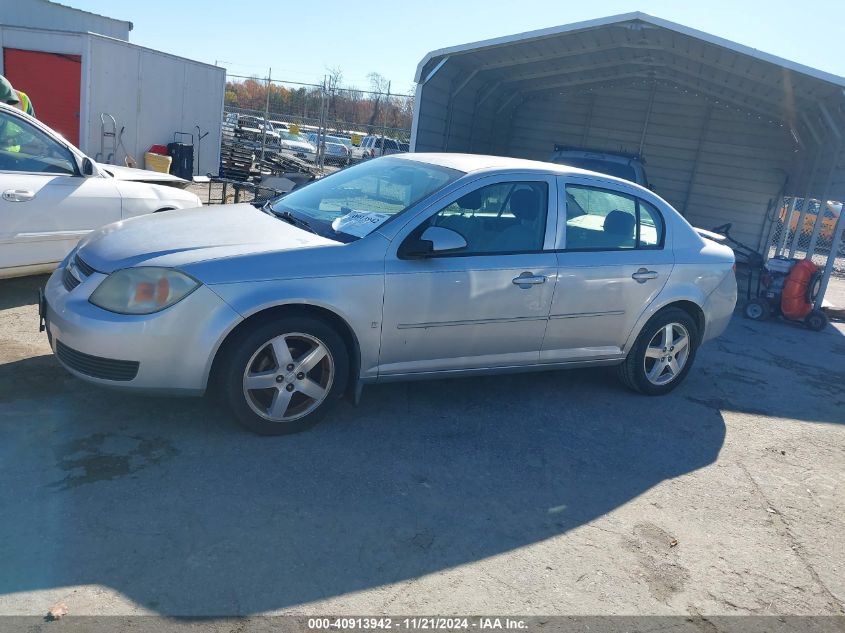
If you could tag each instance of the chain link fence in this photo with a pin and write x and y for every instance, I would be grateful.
(805, 228)
(272, 126)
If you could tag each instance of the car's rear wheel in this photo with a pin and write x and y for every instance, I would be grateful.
(283, 376)
(662, 354)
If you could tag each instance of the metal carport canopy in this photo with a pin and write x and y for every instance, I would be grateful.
(725, 130)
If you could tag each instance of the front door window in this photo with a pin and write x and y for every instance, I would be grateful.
(25, 148)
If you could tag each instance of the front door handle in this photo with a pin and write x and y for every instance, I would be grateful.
(527, 279)
(18, 195)
(643, 275)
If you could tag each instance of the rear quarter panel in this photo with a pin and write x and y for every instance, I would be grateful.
(703, 275)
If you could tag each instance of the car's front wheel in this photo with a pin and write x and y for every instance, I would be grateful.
(662, 354)
(281, 377)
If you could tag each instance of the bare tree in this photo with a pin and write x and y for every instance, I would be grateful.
(379, 85)
(334, 79)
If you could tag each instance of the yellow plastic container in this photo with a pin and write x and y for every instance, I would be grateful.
(157, 162)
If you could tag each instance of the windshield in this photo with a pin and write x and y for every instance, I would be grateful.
(290, 136)
(352, 203)
(620, 170)
(339, 140)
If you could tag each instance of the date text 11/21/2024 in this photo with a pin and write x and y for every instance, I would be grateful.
(416, 623)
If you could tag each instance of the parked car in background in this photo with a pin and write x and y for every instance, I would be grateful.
(335, 151)
(374, 146)
(279, 125)
(53, 194)
(254, 128)
(296, 145)
(343, 140)
(407, 266)
(358, 151)
(404, 147)
(610, 163)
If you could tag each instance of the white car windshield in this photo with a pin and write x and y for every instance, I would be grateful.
(290, 136)
(352, 203)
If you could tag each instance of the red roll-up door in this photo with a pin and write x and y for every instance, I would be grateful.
(52, 81)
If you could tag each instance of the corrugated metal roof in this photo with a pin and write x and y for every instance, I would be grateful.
(639, 45)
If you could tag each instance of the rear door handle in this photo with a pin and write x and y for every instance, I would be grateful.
(18, 195)
(643, 275)
(527, 279)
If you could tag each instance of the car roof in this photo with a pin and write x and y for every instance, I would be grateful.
(609, 157)
(470, 163)
(479, 164)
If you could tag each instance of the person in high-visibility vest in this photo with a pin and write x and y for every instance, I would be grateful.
(17, 98)
(8, 95)
(26, 103)
(9, 131)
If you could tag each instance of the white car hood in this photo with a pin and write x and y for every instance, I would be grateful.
(184, 237)
(305, 147)
(143, 175)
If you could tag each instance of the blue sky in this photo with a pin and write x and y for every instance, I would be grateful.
(299, 40)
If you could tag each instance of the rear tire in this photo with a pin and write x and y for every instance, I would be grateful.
(283, 376)
(663, 353)
(816, 321)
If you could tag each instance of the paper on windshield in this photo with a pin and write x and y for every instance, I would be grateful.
(359, 223)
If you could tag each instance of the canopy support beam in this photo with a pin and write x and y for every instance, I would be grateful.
(705, 127)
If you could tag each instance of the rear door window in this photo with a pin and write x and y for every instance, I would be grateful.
(604, 220)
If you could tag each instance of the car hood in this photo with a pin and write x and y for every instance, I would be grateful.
(183, 237)
(307, 147)
(143, 175)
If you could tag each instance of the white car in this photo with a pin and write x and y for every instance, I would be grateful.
(371, 147)
(51, 195)
(295, 145)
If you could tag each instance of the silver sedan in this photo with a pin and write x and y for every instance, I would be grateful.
(404, 267)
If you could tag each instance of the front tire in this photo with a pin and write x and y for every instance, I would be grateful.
(662, 354)
(757, 309)
(283, 376)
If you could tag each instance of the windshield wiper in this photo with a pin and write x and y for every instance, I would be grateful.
(290, 218)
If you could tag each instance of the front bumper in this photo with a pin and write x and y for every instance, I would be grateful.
(299, 153)
(173, 348)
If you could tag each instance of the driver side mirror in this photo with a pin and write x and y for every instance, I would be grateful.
(435, 240)
(87, 167)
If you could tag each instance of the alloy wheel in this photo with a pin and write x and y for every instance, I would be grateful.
(288, 377)
(666, 354)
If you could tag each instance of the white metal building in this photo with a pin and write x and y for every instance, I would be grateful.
(726, 131)
(77, 66)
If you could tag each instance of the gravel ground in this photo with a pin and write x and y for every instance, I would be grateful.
(556, 493)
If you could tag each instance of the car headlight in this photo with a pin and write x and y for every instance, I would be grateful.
(69, 256)
(142, 290)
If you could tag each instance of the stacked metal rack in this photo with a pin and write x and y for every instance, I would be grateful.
(235, 157)
(240, 158)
